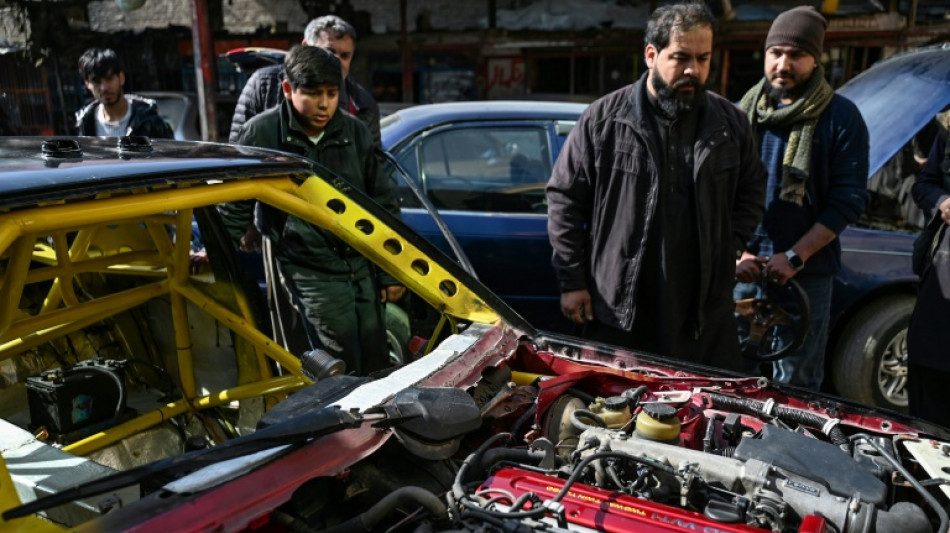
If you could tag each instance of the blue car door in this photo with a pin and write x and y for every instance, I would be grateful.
(487, 181)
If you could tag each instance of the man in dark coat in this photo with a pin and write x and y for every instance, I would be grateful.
(815, 146)
(656, 191)
(263, 91)
(114, 113)
(331, 285)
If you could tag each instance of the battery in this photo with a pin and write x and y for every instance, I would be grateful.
(64, 400)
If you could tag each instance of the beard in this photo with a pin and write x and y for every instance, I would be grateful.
(777, 94)
(669, 99)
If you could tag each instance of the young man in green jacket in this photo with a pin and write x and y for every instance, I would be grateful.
(332, 286)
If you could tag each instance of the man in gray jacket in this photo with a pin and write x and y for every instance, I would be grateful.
(656, 191)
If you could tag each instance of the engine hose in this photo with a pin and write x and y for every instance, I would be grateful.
(583, 396)
(458, 490)
(634, 395)
(367, 521)
(924, 493)
(579, 469)
(495, 455)
(576, 421)
(292, 523)
(838, 438)
(524, 418)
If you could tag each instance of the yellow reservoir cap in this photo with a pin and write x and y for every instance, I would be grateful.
(658, 421)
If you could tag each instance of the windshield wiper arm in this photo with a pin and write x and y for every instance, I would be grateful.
(296, 431)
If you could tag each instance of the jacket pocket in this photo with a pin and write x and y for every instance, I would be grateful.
(723, 159)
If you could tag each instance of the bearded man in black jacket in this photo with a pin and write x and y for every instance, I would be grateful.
(655, 192)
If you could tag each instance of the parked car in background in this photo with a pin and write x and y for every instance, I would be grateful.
(141, 390)
(484, 165)
(180, 111)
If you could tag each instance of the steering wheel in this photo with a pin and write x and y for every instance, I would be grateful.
(774, 322)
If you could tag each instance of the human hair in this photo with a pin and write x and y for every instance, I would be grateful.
(99, 62)
(312, 66)
(332, 25)
(681, 17)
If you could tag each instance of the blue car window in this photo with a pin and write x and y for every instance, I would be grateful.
(410, 163)
(496, 169)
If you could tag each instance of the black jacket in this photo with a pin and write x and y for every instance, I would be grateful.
(346, 149)
(145, 119)
(603, 192)
(263, 91)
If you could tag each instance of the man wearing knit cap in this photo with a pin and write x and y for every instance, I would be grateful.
(815, 146)
(331, 286)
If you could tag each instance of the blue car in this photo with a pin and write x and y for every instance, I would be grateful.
(484, 166)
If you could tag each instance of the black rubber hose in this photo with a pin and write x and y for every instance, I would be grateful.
(579, 469)
(494, 455)
(583, 396)
(474, 458)
(368, 520)
(292, 523)
(817, 421)
(576, 421)
(634, 395)
(529, 412)
(789, 414)
(902, 517)
(924, 493)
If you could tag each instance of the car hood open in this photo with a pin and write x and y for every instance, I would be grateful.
(898, 96)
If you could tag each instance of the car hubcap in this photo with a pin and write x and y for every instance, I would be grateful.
(892, 370)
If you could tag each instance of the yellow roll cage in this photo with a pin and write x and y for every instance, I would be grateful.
(52, 244)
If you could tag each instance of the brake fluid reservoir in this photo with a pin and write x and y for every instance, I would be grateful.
(614, 411)
(658, 421)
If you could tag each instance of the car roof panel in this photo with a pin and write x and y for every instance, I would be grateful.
(29, 178)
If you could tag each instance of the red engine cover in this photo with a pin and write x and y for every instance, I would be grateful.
(614, 512)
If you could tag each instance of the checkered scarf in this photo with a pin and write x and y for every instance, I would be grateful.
(802, 116)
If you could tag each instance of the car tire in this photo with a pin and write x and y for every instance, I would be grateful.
(870, 357)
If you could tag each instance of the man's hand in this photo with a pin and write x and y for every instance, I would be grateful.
(251, 240)
(749, 267)
(576, 306)
(779, 270)
(392, 293)
(945, 211)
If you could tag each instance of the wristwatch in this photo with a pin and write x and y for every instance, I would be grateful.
(794, 260)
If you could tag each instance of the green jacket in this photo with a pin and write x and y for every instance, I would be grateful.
(347, 149)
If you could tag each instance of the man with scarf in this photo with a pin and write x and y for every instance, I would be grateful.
(815, 146)
(657, 189)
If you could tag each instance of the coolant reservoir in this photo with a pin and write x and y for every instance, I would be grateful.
(615, 411)
(658, 421)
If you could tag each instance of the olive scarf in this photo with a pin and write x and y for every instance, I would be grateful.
(802, 116)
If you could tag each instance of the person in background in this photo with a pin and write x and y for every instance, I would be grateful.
(331, 285)
(114, 113)
(928, 367)
(9, 119)
(815, 146)
(657, 189)
(262, 90)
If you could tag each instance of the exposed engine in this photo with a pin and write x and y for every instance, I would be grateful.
(597, 450)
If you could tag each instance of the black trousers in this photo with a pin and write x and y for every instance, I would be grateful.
(928, 349)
